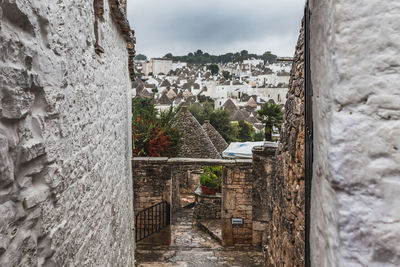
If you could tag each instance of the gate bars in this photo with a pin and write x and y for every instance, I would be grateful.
(152, 220)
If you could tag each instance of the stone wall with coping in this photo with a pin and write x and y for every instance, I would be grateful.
(355, 209)
(65, 175)
(237, 202)
(153, 181)
(207, 206)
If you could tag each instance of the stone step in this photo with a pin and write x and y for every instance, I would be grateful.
(211, 227)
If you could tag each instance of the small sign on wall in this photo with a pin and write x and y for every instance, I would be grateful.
(237, 221)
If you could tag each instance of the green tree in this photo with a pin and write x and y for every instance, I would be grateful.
(268, 56)
(257, 137)
(270, 114)
(244, 53)
(140, 57)
(198, 53)
(169, 56)
(226, 75)
(219, 118)
(246, 131)
(213, 68)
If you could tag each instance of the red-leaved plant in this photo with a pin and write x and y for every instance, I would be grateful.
(152, 134)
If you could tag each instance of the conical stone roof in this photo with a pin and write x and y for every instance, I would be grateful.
(195, 142)
(219, 142)
(230, 106)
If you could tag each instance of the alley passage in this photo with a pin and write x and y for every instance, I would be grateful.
(192, 247)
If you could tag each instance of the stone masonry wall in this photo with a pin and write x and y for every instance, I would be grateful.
(355, 204)
(237, 203)
(264, 161)
(153, 183)
(65, 188)
(207, 206)
(282, 193)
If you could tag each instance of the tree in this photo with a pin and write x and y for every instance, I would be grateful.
(257, 137)
(270, 114)
(198, 53)
(169, 56)
(226, 75)
(140, 57)
(245, 132)
(244, 53)
(219, 118)
(213, 68)
(268, 56)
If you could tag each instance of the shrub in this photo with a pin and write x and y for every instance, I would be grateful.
(211, 177)
(152, 133)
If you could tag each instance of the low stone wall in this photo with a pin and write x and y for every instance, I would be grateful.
(207, 206)
(154, 181)
(237, 203)
(188, 177)
(152, 184)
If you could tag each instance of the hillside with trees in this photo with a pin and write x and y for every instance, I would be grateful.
(199, 57)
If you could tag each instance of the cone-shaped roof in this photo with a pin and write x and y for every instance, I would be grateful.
(239, 115)
(164, 100)
(218, 141)
(230, 106)
(251, 119)
(171, 94)
(252, 103)
(195, 142)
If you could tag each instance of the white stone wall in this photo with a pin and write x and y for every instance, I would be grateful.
(355, 212)
(65, 177)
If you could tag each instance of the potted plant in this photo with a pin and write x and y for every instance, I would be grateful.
(210, 180)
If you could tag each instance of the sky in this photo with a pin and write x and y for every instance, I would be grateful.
(215, 26)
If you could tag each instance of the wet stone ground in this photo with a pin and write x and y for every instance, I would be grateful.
(192, 247)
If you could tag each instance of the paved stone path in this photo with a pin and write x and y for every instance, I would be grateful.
(191, 247)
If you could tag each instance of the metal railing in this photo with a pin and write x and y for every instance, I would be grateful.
(152, 220)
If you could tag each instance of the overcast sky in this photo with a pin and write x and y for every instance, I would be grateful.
(215, 26)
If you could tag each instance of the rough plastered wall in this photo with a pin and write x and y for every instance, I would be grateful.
(65, 177)
(355, 209)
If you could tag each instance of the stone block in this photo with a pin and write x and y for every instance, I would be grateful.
(15, 104)
(6, 164)
(32, 150)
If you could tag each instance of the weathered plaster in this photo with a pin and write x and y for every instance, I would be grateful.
(355, 215)
(65, 176)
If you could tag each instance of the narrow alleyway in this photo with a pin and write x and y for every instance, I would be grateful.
(192, 247)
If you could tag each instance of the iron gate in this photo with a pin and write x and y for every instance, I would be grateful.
(309, 133)
(152, 220)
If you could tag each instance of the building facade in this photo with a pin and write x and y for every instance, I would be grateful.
(65, 174)
(355, 216)
(157, 66)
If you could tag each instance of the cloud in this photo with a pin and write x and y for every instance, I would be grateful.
(215, 26)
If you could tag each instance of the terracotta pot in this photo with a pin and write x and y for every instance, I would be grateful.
(207, 190)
